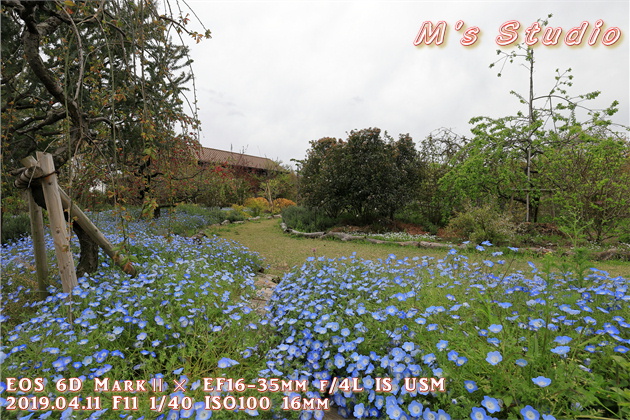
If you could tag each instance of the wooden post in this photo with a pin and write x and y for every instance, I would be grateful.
(94, 233)
(58, 226)
(39, 244)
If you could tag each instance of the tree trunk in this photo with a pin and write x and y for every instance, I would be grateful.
(88, 260)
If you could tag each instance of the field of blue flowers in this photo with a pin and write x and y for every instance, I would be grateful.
(524, 345)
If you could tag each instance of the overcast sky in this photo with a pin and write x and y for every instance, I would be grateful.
(276, 75)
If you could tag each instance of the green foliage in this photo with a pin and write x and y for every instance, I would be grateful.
(433, 206)
(485, 223)
(307, 220)
(591, 180)
(521, 158)
(108, 96)
(368, 176)
(257, 206)
(15, 227)
(213, 214)
(237, 214)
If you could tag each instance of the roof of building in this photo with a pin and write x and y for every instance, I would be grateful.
(209, 155)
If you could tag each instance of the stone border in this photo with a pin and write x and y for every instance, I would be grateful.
(347, 237)
(249, 219)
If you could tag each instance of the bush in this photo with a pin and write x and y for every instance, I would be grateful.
(187, 219)
(257, 205)
(306, 220)
(486, 223)
(413, 213)
(211, 214)
(279, 204)
(15, 227)
(237, 214)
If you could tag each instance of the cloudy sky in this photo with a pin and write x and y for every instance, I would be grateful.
(276, 75)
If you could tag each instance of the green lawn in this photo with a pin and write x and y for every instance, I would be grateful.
(282, 252)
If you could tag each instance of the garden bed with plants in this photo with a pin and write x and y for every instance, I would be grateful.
(529, 344)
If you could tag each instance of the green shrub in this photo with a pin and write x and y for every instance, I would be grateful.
(211, 214)
(15, 227)
(237, 214)
(307, 220)
(257, 205)
(485, 223)
(413, 213)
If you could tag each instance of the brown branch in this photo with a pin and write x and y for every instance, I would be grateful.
(31, 41)
(50, 118)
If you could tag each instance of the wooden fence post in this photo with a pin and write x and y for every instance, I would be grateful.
(39, 244)
(58, 226)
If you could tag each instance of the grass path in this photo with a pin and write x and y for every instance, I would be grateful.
(281, 252)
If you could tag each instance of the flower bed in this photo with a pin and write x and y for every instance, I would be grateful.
(525, 345)
(521, 346)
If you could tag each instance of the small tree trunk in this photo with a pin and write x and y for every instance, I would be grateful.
(88, 260)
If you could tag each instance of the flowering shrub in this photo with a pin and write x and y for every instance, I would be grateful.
(483, 223)
(257, 205)
(514, 346)
(279, 204)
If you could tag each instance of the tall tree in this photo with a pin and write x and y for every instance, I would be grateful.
(368, 176)
(97, 83)
(503, 159)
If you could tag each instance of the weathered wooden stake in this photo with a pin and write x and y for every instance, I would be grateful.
(58, 226)
(39, 244)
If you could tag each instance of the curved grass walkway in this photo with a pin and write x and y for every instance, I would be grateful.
(281, 252)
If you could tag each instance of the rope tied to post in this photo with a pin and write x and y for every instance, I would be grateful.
(29, 176)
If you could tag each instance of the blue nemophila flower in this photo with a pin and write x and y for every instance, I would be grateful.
(561, 350)
(494, 357)
(442, 344)
(491, 404)
(562, 339)
(621, 349)
(521, 362)
(429, 415)
(415, 409)
(471, 386)
(442, 415)
(529, 413)
(339, 361)
(101, 355)
(478, 413)
(226, 363)
(159, 320)
(495, 328)
(428, 359)
(359, 410)
(118, 330)
(494, 341)
(541, 381)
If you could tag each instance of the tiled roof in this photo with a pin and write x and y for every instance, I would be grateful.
(208, 155)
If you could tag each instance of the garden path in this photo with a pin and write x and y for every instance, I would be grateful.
(265, 283)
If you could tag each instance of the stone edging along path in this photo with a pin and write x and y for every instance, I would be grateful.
(347, 237)
(613, 253)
